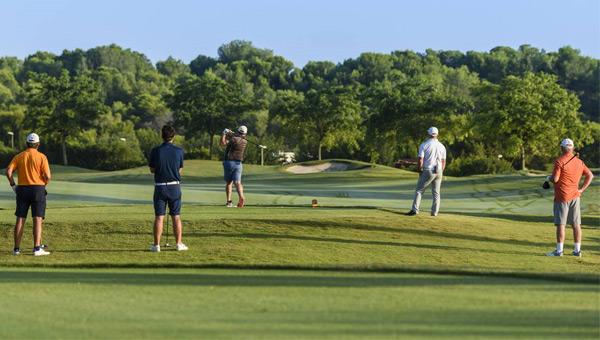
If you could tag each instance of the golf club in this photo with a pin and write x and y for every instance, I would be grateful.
(167, 244)
(546, 184)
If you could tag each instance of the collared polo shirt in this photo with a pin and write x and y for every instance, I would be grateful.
(432, 152)
(30, 166)
(166, 160)
(569, 171)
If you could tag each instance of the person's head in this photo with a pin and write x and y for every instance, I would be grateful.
(567, 145)
(433, 132)
(242, 130)
(168, 133)
(33, 140)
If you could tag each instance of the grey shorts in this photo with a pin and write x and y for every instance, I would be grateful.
(567, 212)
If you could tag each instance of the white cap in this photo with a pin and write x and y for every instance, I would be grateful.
(432, 131)
(567, 142)
(33, 138)
(242, 129)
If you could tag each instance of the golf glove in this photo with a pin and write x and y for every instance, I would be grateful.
(14, 187)
(226, 131)
(549, 178)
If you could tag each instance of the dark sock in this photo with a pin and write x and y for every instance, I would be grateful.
(16, 249)
(36, 248)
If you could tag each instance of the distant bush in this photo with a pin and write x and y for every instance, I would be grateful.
(6, 155)
(466, 166)
(113, 155)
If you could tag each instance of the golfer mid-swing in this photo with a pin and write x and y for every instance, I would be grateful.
(166, 162)
(232, 162)
(432, 162)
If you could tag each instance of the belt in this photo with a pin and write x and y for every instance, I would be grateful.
(168, 183)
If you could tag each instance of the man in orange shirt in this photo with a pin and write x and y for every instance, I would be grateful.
(568, 170)
(34, 174)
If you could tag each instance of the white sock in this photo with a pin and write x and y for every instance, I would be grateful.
(559, 247)
(577, 247)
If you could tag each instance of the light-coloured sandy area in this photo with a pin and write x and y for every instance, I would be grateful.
(323, 167)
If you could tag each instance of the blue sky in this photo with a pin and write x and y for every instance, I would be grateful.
(300, 31)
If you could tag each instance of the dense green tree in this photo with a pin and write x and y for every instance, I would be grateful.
(207, 104)
(325, 118)
(241, 50)
(202, 64)
(62, 106)
(529, 116)
(172, 67)
(402, 113)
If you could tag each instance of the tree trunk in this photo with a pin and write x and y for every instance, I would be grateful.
(523, 159)
(211, 140)
(64, 150)
(319, 150)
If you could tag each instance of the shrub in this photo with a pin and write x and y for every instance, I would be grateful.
(466, 166)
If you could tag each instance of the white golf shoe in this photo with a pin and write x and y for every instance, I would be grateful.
(155, 249)
(16, 252)
(181, 247)
(40, 252)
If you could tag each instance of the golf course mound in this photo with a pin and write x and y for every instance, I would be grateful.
(322, 167)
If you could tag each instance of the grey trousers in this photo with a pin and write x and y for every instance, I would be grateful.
(428, 177)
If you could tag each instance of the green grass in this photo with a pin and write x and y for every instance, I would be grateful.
(355, 267)
(258, 304)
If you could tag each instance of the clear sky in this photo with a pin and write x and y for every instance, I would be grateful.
(300, 30)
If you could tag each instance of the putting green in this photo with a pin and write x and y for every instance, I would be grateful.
(376, 186)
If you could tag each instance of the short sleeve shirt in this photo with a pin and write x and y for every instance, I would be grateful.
(235, 148)
(569, 171)
(166, 160)
(30, 166)
(432, 152)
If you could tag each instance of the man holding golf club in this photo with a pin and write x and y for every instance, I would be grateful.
(232, 162)
(33, 172)
(432, 162)
(568, 170)
(166, 162)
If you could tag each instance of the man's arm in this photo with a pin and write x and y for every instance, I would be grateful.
(443, 164)
(46, 178)
(586, 182)
(420, 166)
(223, 141)
(152, 170)
(9, 175)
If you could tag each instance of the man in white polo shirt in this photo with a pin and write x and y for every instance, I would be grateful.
(432, 162)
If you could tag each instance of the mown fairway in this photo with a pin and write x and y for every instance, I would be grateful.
(353, 268)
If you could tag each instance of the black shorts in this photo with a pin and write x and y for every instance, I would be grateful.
(34, 196)
(167, 194)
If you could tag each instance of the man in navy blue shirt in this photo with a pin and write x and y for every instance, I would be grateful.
(166, 162)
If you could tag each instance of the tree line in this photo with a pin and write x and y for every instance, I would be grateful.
(498, 110)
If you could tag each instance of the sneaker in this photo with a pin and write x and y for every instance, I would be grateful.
(555, 253)
(229, 205)
(411, 213)
(181, 247)
(155, 249)
(576, 253)
(40, 252)
(16, 251)
(434, 215)
(240, 203)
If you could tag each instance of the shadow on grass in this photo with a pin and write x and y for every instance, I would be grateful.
(298, 279)
(588, 221)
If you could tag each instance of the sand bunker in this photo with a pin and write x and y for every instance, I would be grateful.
(323, 167)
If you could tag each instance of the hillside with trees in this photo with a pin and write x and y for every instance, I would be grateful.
(498, 110)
